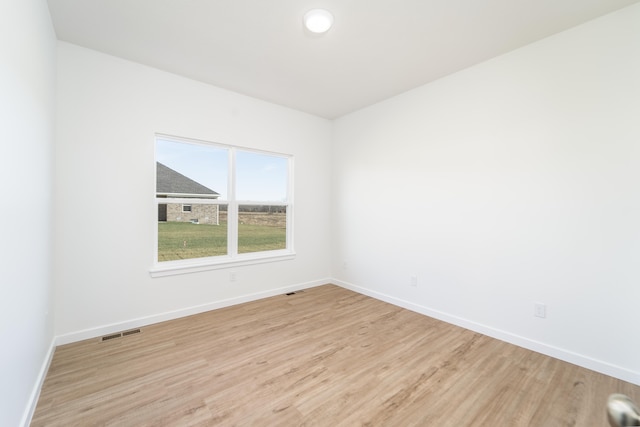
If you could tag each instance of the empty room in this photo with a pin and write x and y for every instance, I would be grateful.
(297, 212)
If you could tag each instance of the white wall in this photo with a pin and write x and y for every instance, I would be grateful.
(108, 112)
(27, 81)
(510, 182)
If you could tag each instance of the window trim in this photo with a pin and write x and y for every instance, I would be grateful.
(233, 258)
(204, 264)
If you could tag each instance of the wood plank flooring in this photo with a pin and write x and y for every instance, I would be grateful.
(323, 357)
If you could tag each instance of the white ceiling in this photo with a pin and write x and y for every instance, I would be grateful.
(376, 49)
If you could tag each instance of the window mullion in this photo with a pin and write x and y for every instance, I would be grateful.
(232, 208)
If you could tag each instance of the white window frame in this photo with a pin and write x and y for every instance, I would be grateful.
(233, 258)
(190, 208)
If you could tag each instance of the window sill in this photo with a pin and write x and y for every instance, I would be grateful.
(172, 268)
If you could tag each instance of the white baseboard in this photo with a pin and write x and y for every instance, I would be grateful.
(539, 347)
(37, 387)
(162, 317)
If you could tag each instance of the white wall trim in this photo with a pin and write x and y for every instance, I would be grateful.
(183, 312)
(37, 387)
(537, 346)
(172, 268)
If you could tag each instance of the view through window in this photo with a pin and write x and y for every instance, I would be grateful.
(220, 202)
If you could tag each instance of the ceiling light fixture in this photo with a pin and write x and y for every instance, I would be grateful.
(318, 20)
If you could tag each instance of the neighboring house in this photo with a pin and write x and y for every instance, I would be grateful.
(170, 183)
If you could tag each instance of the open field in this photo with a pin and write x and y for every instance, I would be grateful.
(256, 232)
(183, 240)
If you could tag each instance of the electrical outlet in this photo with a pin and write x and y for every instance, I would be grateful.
(414, 281)
(232, 276)
(539, 310)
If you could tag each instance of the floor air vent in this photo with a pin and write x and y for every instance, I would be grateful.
(293, 293)
(110, 337)
(120, 334)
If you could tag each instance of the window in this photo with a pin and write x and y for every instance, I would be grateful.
(220, 205)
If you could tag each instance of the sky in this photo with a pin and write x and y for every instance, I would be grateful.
(259, 176)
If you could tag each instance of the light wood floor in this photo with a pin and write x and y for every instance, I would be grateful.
(322, 357)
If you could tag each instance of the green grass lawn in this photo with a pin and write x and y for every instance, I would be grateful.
(183, 240)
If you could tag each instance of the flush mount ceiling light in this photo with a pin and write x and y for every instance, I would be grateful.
(318, 20)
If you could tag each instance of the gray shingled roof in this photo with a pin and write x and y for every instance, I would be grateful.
(169, 181)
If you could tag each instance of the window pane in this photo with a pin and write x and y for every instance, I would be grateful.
(261, 228)
(185, 170)
(195, 234)
(261, 176)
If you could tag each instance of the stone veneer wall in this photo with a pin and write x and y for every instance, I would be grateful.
(204, 214)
